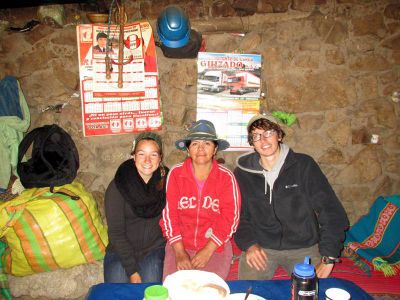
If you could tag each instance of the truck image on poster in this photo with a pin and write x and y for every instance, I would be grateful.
(243, 82)
(213, 81)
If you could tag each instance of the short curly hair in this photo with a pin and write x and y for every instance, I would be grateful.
(265, 125)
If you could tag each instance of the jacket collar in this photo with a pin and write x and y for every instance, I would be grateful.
(250, 161)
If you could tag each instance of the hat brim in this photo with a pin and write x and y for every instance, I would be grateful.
(257, 117)
(181, 144)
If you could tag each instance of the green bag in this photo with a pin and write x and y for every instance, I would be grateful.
(45, 230)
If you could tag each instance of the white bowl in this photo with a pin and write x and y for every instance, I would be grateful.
(196, 285)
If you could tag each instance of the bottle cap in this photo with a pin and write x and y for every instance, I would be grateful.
(156, 292)
(304, 269)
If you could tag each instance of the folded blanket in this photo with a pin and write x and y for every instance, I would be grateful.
(375, 236)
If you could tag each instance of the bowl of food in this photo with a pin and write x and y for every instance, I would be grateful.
(97, 18)
(196, 285)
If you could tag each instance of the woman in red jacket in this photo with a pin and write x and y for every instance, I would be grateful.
(202, 207)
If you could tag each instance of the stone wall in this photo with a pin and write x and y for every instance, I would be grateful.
(335, 64)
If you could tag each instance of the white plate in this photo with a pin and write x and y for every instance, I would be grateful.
(192, 284)
(240, 296)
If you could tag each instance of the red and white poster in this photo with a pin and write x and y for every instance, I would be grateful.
(122, 100)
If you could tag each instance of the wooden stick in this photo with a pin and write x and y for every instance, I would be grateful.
(121, 45)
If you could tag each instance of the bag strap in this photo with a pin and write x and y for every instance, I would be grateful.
(26, 142)
(50, 131)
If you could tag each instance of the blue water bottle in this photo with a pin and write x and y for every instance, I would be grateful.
(304, 281)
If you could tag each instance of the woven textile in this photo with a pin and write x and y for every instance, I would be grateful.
(375, 237)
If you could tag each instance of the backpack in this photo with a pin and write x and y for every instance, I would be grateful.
(54, 160)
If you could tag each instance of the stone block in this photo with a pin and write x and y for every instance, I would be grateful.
(364, 168)
(340, 134)
(307, 5)
(332, 156)
(359, 136)
(367, 87)
(393, 163)
(392, 42)
(279, 6)
(66, 75)
(310, 122)
(264, 6)
(393, 27)
(392, 11)
(308, 61)
(250, 42)
(366, 43)
(310, 44)
(40, 32)
(330, 30)
(370, 24)
(245, 7)
(72, 283)
(327, 90)
(222, 8)
(334, 56)
(369, 62)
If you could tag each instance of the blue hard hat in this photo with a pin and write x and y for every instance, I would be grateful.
(173, 27)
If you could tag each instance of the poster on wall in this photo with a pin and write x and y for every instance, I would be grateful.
(228, 93)
(121, 101)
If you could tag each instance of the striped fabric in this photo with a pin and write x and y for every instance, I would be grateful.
(375, 237)
(4, 287)
(45, 231)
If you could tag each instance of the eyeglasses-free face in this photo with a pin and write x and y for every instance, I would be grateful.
(147, 158)
(202, 151)
(255, 137)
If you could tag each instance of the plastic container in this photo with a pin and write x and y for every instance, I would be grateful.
(304, 281)
(156, 292)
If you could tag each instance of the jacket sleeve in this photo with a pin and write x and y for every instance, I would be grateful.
(230, 201)
(244, 237)
(115, 208)
(170, 216)
(332, 217)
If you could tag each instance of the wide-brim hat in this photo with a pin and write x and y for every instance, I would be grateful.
(202, 130)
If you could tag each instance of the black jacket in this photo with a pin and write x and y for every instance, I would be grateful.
(129, 236)
(304, 209)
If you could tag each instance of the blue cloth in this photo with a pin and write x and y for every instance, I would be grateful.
(9, 98)
(150, 267)
(269, 289)
(12, 129)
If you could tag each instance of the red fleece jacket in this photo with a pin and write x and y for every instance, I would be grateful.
(193, 217)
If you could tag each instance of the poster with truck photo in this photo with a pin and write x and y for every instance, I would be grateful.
(228, 93)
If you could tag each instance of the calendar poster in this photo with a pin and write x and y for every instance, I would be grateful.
(127, 99)
(228, 93)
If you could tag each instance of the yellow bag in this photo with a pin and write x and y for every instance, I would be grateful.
(45, 231)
